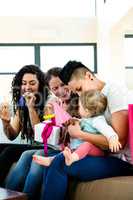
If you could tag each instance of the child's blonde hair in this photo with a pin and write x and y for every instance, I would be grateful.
(94, 101)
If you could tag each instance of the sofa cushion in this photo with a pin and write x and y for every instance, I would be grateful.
(116, 188)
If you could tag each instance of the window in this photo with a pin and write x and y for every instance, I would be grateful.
(129, 51)
(128, 44)
(59, 55)
(14, 56)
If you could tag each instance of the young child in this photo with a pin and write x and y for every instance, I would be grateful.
(92, 105)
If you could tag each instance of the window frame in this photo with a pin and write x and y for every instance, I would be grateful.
(37, 46)
(129, 36)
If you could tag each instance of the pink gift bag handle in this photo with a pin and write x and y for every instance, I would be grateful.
(61, 116)
(130, 118)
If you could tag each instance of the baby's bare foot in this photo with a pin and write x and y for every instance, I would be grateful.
(68, 156)
(46, 161)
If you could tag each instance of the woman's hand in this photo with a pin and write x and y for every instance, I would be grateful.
(30, 99)
(30, 102)
(5, 112)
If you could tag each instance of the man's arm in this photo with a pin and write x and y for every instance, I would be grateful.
(119, 124)
(96, 139)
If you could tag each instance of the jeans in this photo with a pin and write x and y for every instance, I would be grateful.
(10, 153)
(87, 169)
(16, 178)
(27, 175)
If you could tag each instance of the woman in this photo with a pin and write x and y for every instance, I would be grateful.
(28, 98)
(81, 79)
(28, 172)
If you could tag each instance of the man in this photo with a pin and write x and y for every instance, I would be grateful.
(80, 79)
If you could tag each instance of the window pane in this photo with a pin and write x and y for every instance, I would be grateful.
(5, 81)
(53, 56)
(13, 58)
(129, 52)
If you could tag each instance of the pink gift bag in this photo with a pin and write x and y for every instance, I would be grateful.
(61, 116)
(130, 117)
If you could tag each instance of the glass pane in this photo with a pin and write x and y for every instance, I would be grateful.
(5, 90)
(13, 58)
(53, 56)
(128, 52)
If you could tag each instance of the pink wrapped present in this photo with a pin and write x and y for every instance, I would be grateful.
(48, 131)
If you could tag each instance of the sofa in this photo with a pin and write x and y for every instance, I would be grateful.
(116, 188)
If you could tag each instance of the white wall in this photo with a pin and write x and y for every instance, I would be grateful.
(110, 32)
(47, 29)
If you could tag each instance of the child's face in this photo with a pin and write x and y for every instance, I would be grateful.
(82, 111)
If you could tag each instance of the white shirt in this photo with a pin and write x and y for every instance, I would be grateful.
(117, 97)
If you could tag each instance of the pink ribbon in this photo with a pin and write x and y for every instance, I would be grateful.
(47, 132)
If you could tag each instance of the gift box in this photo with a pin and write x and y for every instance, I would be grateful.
(48, 131)
(53, 139)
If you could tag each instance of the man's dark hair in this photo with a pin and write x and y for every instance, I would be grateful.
(68, 70)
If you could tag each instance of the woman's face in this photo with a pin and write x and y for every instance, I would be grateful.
(59, 89)
(30, 83)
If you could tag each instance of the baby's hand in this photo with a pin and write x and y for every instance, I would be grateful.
(114, 144)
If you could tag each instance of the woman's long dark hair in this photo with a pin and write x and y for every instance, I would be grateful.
(41, 96)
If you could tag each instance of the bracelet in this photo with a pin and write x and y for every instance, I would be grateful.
(50, 116)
